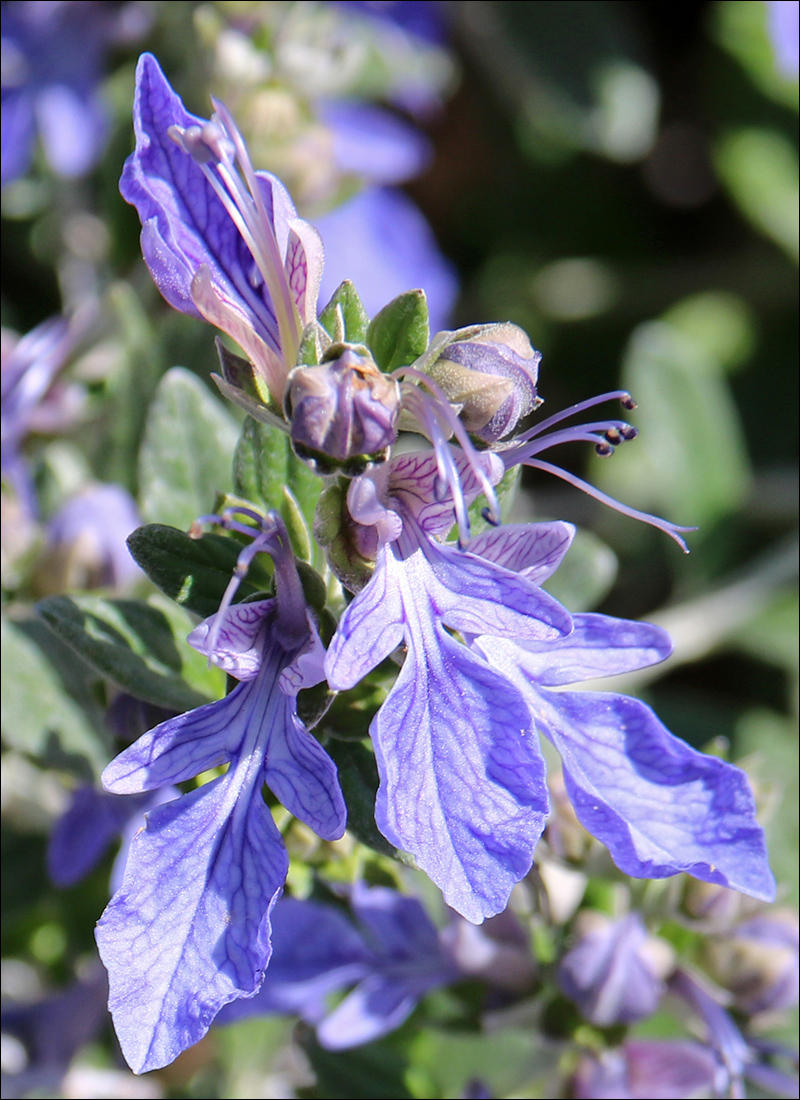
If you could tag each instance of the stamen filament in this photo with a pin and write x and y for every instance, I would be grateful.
(573, 410)
(444, 409)
(670, 529)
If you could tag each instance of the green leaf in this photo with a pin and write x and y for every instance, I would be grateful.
(193, 572)
(399, 334)
(186, 453)
(358, 777)
(372, 1072)
(344, 316)
(39, 717)
(759, 168)
(689, 462)
(261, 464)
(127, 641)
(265, 467)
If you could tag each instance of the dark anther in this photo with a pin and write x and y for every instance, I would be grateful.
(628, 402)
(490, 519)
(604, 449)
(629, 432)
(614, 436)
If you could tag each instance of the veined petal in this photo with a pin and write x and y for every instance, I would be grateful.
(182, 747)
(370, 629)
(462, 782)
(188, 931)
(237, 650)
(475, 596)
(533, 549)
(225, 313)
(659, 806)
(598, 646)
(300, 773)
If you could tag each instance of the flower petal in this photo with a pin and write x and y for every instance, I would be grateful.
(315, 949)
(182, 747)
(300, 773)
(189, 929)
(375, 1007)
(237, 650)
(475, 596)
(533, 549)
(658, 805)
(462, 782)
(598, 646)
(370, 629)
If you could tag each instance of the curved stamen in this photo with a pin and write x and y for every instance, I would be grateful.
(270, 537)
(670, 529)
(614, 395)
(450, 480)
(447, 417)
(219, 150)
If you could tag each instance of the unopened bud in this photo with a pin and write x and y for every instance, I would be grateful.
(490, 371)
(343, 413)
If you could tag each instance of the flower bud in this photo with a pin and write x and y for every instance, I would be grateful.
(343, 413)
(613, 973)
(758, 962)
(491, 372)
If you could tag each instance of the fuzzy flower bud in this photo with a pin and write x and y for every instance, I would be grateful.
(343, 413)
(490, 371)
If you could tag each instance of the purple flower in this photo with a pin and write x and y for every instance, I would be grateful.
(221, 241)
(489, 372)
(784, 23)
(343, 409)
(608, 972)
(87, 537)
(647, 1069)
(30, 365)
(92, 822)
(53, 55)
(392, 955)
(462, 781)
(189, 929)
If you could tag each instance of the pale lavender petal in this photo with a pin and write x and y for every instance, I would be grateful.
(598, 646)
(183, 747)
(375, 1007)
(374, 143)
(82, 835)
(238, 649)
(370, 629)
(189, 929)
(533, 549)
(607, 976)
(397, 925)
(414, 481)
(659, 806)
(462, 782)
(308, 669)
(300, 773)
(475, 596)
(73, 128)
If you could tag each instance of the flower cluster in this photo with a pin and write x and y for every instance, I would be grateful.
(484, 652)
